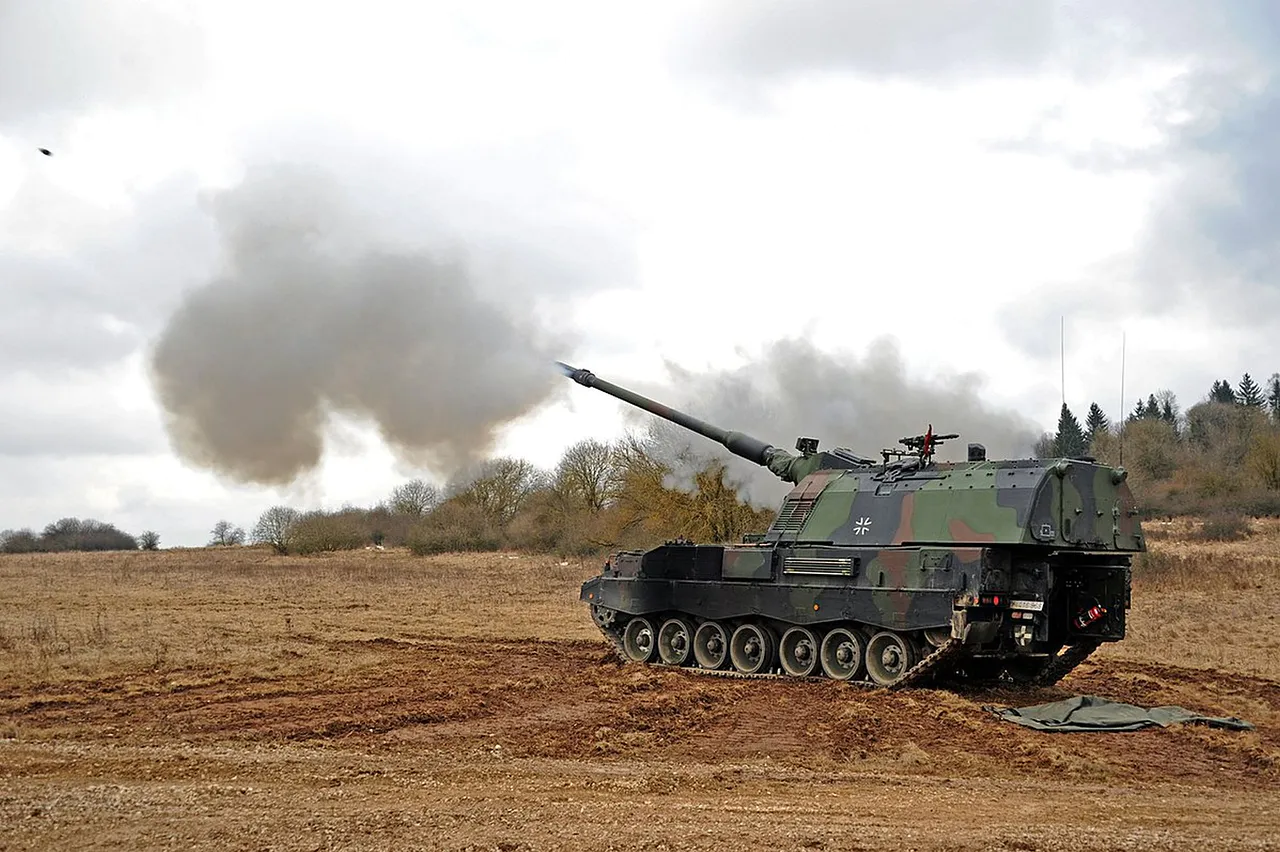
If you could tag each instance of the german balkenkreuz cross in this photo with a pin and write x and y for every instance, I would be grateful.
(862, 526)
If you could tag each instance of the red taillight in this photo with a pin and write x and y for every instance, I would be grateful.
(996, 600)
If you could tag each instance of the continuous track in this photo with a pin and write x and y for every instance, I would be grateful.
(1055, 670)
(1062, 664)
(928, 665)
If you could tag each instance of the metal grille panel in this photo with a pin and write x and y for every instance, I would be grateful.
(793, 515)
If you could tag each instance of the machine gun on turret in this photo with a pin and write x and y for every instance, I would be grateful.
(921, 446)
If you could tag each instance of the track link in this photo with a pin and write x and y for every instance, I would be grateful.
(1062, 664)
(920, 671)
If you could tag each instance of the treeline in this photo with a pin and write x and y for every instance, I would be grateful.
(598, 497)
(70, 534)
(1221, 455)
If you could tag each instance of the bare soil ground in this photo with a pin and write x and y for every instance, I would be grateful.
(238, 700)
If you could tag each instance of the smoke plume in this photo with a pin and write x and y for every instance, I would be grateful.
(795, 390)
(312, 316)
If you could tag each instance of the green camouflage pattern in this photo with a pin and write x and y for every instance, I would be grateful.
(1051, 503)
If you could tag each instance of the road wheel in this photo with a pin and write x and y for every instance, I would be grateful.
(752, 649)
(675, 642)
(889, 657)
(638, 640)
(841, 653)
(798, 652)
(711, 646)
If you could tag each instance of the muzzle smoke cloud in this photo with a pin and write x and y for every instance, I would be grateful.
(311, 316)
(796, 390)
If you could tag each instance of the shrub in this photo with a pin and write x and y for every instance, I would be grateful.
(454, 526)
(1224, 527)
(19, 541)
(86, 534)
(321, 532)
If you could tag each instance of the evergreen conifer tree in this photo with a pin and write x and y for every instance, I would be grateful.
(1169, 411)
(1153, 407)
(1248, 392)
(1069, 442)
(1273, 396)
(1222, 392)
(1095, 422)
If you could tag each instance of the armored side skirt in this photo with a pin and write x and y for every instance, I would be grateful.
(892, 609)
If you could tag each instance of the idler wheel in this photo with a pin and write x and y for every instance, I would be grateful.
(752, 649)
(798, 652)
(711, 645)
(638, 640)
(842, 654)
(937, 636)
(675, 642)
(889, 658)
(603, 616)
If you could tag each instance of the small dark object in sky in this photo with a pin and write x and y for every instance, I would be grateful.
(46, 152)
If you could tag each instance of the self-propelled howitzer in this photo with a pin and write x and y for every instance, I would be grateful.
(886, 571)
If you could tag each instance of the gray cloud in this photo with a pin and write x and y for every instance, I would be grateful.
(95, 298)
(67, 420)
(68, 57)
(863, 404)
(924, 38)
(42, 489)
(944, 41)
(313, 314)
(1213, 239)
(1212, 242)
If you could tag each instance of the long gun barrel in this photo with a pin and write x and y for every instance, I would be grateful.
(752, 449)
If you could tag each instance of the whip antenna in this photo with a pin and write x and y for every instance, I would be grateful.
(1062, 357)
(1121, 420)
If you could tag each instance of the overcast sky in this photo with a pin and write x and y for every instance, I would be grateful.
(301, 252)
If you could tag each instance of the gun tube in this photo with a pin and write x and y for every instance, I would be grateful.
(749, 448)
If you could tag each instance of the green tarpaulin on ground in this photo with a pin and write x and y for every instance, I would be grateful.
(1089, 713)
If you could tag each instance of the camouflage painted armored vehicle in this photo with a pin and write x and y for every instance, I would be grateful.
(887, 571)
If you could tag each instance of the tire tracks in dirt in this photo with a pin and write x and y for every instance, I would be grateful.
(567, 700)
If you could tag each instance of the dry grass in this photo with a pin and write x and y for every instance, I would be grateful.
(1204, 603)
(206, 612)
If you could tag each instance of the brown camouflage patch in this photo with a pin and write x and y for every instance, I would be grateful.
(904, 521)
(960, 531)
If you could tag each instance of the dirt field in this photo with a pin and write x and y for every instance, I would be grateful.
(237, 700)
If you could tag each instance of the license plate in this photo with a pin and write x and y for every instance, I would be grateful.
(1034, 606)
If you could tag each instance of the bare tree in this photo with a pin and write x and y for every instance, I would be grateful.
(225, 534)
(498, 486)
(149, 540)
(275, 527)
(19, 541)
(415, 498)
(584, 474)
